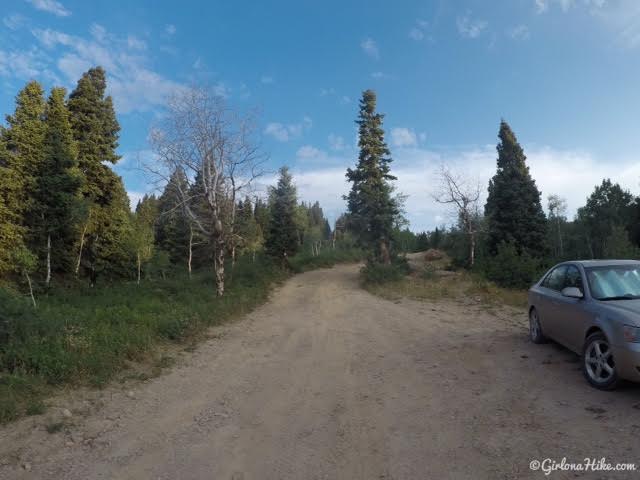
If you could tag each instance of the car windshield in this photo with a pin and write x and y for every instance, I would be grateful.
(614, 282)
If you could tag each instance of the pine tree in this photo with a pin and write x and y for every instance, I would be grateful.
(372, 209)
(513, 210)
(607, 207)
(173, 230)
(248, 229)
(282, 237)
(57, 189)
(95, 131)
(11, 230)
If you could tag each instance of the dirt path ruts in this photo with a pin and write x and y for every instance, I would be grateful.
(328, 382)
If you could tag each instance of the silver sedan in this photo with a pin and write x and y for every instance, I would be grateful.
(593, 308)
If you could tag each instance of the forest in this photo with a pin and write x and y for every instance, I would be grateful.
(88, 284)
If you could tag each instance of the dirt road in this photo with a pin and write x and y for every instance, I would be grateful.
(328, 382)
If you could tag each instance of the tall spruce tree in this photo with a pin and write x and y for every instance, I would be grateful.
(25, 154)
(373, 210)
(282, 235)
(57, 189)
(513, 210)
(11, 230)
(95, 129)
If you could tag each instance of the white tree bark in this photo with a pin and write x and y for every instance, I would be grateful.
(203, 138)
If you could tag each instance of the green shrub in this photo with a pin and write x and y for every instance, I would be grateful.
(377, 273)
(510, 269)
(87, 335)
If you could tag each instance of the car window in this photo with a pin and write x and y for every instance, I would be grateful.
(555, 279)
(573, 278)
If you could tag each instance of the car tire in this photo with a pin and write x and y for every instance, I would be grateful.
(598, 364)
(535, 328)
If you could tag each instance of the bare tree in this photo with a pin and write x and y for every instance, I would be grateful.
(557, 212)
(213, 146)
(462, 196)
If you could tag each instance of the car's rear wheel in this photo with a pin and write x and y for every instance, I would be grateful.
(535, 329)
(598, 364)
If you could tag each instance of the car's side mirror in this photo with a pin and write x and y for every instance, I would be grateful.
(573, 292)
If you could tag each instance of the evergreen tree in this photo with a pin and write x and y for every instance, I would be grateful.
(57, 189)
(282, 238)
(248, 228)
(24, 154)
(607, 207)
(372, 209)
(95, 130)
(513, 210)
(172, 229)
(11, 230)
(261, 214)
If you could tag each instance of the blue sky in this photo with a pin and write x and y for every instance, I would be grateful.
(563, 73)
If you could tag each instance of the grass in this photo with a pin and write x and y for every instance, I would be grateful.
(89, 336)
(435, 282)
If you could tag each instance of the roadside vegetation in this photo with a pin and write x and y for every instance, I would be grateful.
(88, 336)
(90, 289)
(435, 280)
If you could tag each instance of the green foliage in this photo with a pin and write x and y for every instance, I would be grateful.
(609, 206)
(172, 228)
(513, 210)
(511, 269)
(328, 257)
(95, 130)
(373, 211)
(58, 184)
(88, 334)
(374, 273)
(142, 231)
(618, 245)
(282, 239)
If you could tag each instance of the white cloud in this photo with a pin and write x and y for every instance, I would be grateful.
(135, 43)
(418, 31)
(621, 17)
(519, 32)
(308, 152)
(14, 21)
(284, 133)
(132, 84)
(345, 99)
(543, 5)
(267, 79)
(378, 75)
(50, 6)
(403, 137)
(416, 34)
(571, 174)
(336, 142)
(170, 29)
(370, 47)
(327, 91)
(469, 27)
(26, 65)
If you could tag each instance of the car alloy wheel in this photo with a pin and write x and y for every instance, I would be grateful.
(598, 362)
(535, 330)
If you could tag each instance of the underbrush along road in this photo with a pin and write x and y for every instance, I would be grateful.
(326, 381)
